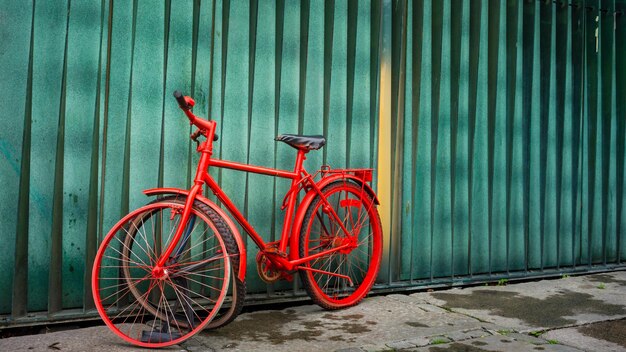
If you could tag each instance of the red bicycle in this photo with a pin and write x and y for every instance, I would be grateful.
(163, 271)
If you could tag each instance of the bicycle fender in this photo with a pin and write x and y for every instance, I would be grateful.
(238, 239)
(294, 252)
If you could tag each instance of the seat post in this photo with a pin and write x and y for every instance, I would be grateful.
(284, 238)
(300, 158)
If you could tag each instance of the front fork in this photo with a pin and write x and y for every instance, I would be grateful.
(158, 270)
(185, 239)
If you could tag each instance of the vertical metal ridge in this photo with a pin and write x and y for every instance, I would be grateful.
(437, 34)
(620, 115)
(396, 47)
(166, 42)
(329, 25)
(211, 78)
(455, 73)
(351, 59)
(211, 61)
(280, 24)
(304, 52)
(55, 284)
(416, 62)
(605, 38)
(511, 82)
(19, 297)
(528, 25)
(545, 45)
(492, 79)
(577, 55)
(225, 30)
(91, 242)
(105, 121)
(375, 38)
(125, 196)
(592, 110)
(254, 11)
(278, 54)
(195, 30)
(398, 149)
(579, 190)
(475, 20)
(560, 52)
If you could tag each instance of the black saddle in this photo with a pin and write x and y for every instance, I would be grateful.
(302, 142)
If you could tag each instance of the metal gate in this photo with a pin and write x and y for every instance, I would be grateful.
(497, 129)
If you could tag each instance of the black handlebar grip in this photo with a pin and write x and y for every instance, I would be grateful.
(215, 137)
(180, 98)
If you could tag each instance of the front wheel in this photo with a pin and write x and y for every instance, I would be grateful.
(157, 307)
(343, 277)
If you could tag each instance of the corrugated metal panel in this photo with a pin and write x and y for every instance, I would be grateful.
(511, 125)
(94, 122)
(501, 141)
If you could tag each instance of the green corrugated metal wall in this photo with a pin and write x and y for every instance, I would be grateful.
(507, 140)
(89, 121)
(510, 136)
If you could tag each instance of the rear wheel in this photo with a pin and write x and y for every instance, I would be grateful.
(341, 278)
(157, 307)
(237, 293)
(236, 296)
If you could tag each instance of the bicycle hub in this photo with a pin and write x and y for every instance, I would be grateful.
(159, 272)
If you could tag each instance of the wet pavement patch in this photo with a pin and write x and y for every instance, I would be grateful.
(266, 326)
(548, 312)
(354, 328)
(456, 347)
(605, 279)
(280, 327)
(612, 331)
(314, 324)
(478, 343)
(416, 324)
(343, 317)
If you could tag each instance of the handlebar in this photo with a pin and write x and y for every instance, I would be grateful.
(206, 127)
(182, 102)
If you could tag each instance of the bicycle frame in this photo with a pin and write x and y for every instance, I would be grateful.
(155, 294)
(300, 180)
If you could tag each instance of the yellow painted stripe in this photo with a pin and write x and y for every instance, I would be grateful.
(384, 154)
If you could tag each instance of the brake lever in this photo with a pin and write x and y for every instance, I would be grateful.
(194, 136)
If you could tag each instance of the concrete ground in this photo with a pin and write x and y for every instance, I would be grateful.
(583, 313)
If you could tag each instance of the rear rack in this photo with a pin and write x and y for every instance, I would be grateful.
(363, 174)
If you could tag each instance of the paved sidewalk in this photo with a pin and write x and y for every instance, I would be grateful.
(583, 313)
